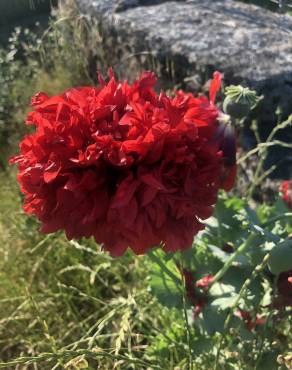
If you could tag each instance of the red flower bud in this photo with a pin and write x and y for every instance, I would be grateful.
(286, 190)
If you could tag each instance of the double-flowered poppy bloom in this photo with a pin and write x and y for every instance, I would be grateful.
(128, 166)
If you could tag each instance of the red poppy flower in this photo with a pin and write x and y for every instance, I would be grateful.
(196, 290)
(250, 323)
(123, 164)
(204, 282)
(286, 190)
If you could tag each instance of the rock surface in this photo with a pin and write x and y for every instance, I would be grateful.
(243, 40)
(190, 39)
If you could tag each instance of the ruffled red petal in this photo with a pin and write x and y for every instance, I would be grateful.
(123, 164)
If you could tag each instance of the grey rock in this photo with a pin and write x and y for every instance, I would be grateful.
(188, 40)
(241, 39)
(107, 7)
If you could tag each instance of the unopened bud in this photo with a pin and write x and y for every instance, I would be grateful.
(239, 101)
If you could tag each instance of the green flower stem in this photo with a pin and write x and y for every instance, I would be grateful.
(259, 268)
(261, 349)
(264, 153)
(232, 258)
(151, 254)
(261, 178)
(262, 146)
(278, 218)
(219, 228)
(180, 283)
(187, 325)
(278, 127)
(254, 127)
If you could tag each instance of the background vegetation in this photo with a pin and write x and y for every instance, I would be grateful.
(68, 305)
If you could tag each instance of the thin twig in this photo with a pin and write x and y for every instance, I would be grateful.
(188, 330)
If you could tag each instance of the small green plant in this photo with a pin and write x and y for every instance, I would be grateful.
(244, 300)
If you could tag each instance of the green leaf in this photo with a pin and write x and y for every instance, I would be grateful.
(281, 257)
(165, 281)
(241, 260)
(219, 289)
(202, 345)
(213, 320)
(224, 302)
(219, 253)
(240, 329)
(280, 206)
(224, 295)
(229, 228)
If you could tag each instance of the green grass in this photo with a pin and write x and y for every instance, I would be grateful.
(61, 300)
(58, 295)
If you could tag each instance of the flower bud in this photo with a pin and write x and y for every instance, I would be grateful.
(239, 101)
